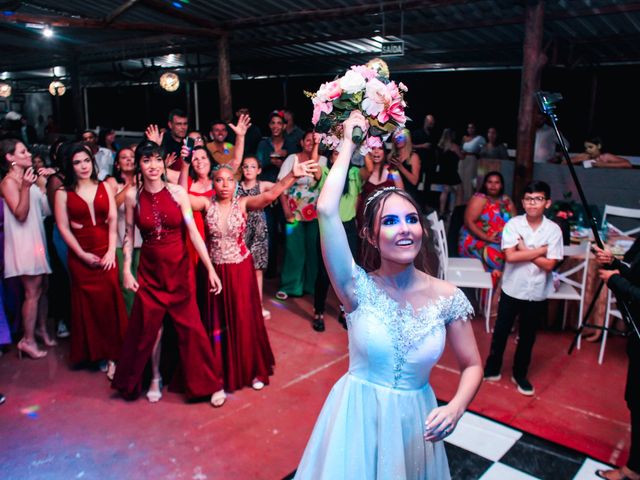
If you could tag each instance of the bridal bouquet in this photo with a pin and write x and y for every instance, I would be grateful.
(366, 88)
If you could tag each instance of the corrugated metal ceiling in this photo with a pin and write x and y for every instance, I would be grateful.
(111, 39)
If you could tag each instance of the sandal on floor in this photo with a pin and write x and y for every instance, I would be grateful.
(280, 295)
(257, 384)
(318, 322)
(607, 474)
(218, 398)
(155, 394)
(111, 370)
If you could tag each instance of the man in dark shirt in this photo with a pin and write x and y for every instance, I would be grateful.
(174, 137)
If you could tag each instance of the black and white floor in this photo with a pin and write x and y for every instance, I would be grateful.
(483, 449)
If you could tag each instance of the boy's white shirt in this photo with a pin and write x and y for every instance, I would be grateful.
(525, 280)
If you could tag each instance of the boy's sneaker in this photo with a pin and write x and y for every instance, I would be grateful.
(524, 387)
(492, 376)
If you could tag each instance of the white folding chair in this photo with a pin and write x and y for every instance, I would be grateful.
(611, 311)
(570, 289)
(612, 210)
(477, 279)
(461, 263)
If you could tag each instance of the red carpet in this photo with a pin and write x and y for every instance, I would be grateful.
(59, 423)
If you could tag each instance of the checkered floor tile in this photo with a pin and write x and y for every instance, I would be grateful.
(482, 449)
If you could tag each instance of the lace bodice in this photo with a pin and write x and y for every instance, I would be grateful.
(226, 244)
(397, 346)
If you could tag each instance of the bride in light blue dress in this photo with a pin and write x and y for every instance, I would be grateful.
(381, 419)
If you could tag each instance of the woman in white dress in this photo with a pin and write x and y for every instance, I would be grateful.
(25, 248)
(381, 419)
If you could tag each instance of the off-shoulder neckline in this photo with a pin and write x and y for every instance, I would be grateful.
(431, 303)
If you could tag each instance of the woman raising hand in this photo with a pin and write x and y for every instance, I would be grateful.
(234, 319)
(381, 419)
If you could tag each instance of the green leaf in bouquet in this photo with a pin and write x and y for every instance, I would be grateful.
(324, 124)
(344, 104)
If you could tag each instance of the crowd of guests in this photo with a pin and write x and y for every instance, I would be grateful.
(89, 231)
(154, 253)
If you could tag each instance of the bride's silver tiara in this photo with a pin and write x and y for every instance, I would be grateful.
(377, 193)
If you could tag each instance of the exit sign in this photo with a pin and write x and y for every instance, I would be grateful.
(390, 49)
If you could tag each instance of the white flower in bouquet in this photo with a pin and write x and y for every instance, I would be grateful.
(352, 82)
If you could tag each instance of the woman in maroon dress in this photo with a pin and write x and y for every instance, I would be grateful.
(165, 287)
(87, 218)
(234, 319)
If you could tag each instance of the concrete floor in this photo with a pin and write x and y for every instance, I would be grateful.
(63, 423)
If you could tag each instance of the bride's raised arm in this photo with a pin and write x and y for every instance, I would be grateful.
(335, 247)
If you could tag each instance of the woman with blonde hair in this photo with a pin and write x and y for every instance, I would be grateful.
(406, 161)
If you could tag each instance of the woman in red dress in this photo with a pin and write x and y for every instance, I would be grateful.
(165, 287)
(196, 175)
(234, 320)
(86, 216)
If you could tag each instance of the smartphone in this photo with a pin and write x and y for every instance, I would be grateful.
(190, 143)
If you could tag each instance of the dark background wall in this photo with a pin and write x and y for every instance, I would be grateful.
(488, 98)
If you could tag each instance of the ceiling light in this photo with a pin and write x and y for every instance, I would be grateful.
(57, 88)
(47, 32)
(169, 81)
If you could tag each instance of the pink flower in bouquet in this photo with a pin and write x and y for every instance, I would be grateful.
(403, 87)
(376, 97)
(395, 111)
(331, 141)
(374, 142)
(320, 107)
(328, 91)
(365, 71)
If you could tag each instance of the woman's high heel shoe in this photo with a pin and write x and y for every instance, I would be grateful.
(30, 349)
(111, 370)
(218, 398)
(46, 339)
(154, 394)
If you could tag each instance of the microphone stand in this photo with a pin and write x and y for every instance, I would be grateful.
(547, 104)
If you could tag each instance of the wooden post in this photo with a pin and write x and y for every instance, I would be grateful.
(224, 78)
(533, 59)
